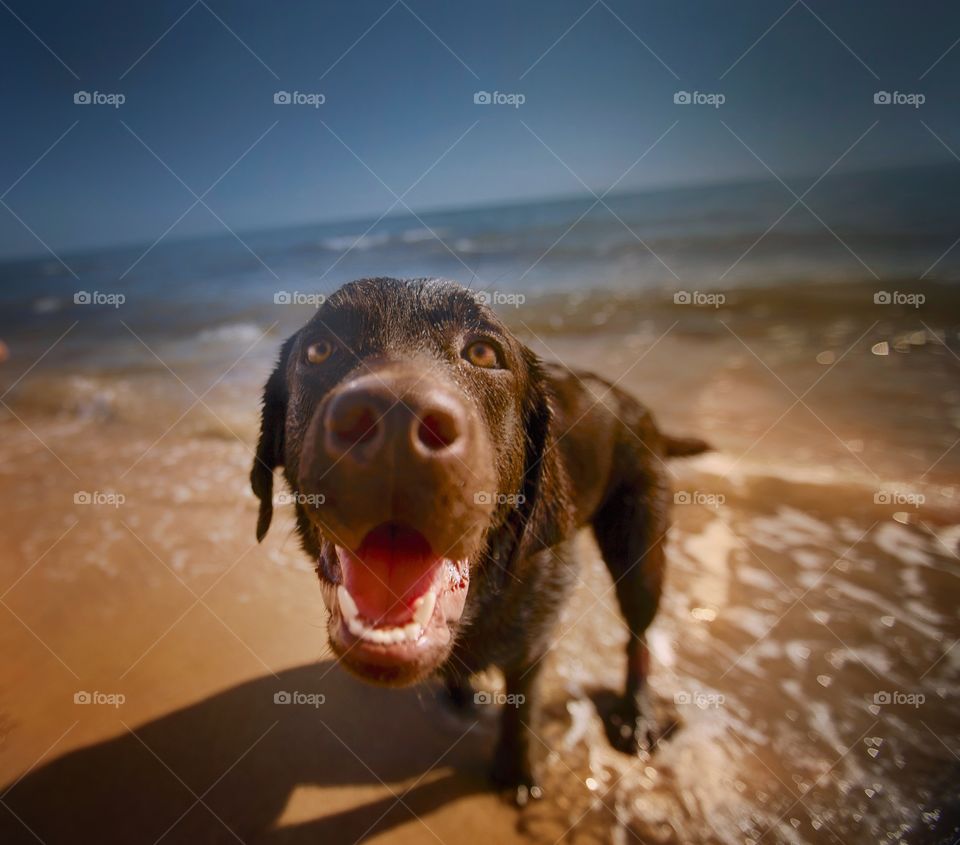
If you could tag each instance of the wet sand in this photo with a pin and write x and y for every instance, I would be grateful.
(804, 647)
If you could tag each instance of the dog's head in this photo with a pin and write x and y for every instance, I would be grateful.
(415, 435)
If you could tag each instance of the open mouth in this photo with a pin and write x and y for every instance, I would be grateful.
(393, 602)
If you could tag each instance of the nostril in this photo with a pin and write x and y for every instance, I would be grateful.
(437, 430)
(355, 425)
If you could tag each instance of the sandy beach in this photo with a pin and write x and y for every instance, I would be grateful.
(744, 215)
(167, 679)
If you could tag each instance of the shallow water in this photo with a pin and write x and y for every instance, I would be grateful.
(800, 650)
(805, 647)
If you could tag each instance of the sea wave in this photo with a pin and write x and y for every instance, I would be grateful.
(340, 243)
(412, 236)
(230, 333)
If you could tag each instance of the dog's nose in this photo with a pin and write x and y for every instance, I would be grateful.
(355, 420)
(402, 444)
(374, 414)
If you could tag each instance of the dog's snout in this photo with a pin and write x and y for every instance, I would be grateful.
(373, 415)
(399, 445)
(355, 420)
(438, 429)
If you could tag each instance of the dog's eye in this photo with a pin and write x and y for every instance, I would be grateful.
(318, 352)
(482, 353)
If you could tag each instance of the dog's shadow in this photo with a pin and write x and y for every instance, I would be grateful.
(245, 754)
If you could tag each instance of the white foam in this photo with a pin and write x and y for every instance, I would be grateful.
(712, 549)
(412, 236)
(231, 333)
(340, 243)
(902, 543)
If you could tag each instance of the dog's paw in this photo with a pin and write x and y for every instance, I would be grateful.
(633, 733)
(635, 725)
(514, 781)
(520, 794)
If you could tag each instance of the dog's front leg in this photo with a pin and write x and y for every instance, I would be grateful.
(512, 767)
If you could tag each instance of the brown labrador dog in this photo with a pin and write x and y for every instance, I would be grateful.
(440, 471)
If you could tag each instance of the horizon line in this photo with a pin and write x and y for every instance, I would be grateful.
(117, 246)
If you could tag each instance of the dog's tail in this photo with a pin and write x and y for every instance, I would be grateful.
(684, 447)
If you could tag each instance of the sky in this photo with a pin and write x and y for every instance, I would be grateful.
(398, 79)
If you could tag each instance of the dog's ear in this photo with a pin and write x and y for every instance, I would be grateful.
(544, 516)
(270, 445)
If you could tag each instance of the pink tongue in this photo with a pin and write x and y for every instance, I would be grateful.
(393, 567)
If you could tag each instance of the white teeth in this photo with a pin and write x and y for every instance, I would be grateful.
(454, 576)
(455, 572)
(423, 608)
(410, 632)
(347, 605)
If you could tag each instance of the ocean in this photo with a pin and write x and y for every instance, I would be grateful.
(889, 227)
(805, 646)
